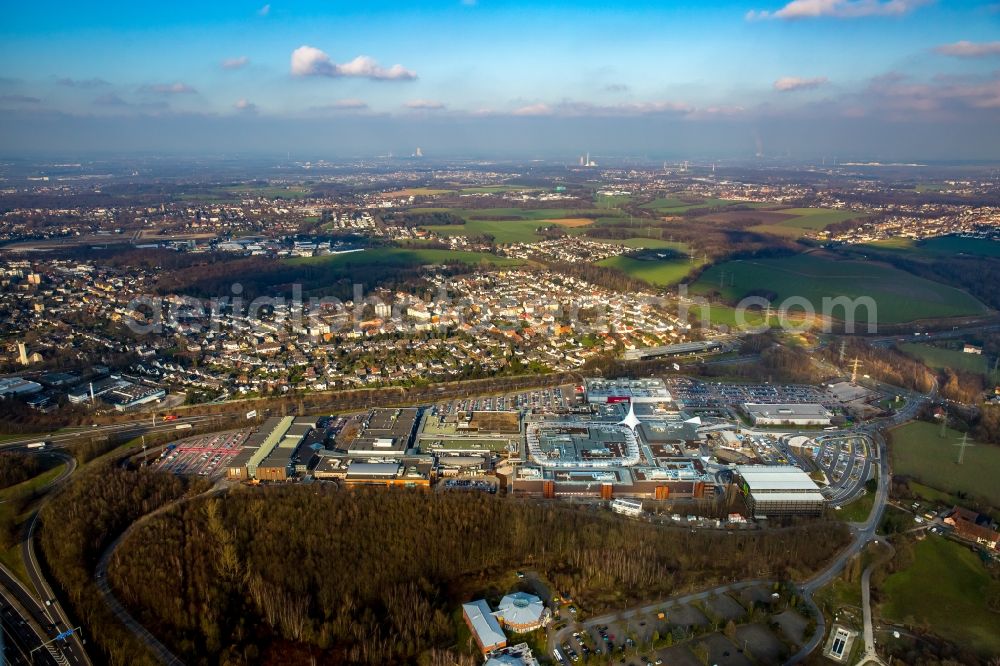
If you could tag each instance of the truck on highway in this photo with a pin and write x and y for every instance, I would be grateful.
(182, 426)
(38, 445)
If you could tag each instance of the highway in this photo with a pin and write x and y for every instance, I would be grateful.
(141, 426)
(30, 605)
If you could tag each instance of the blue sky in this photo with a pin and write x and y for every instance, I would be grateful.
(672, 64)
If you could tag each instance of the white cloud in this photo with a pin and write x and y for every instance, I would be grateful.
(235, 63)
(310, 61)
(244, 105)
(568, 108)
(803, 9)
(177, 88)
(424, 104)
(533, 110)
(264, 11)
(964, 49)
(793, 83)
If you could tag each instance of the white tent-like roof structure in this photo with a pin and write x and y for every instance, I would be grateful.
(630, 420)
(521, 609)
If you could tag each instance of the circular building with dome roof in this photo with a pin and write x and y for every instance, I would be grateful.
(522, 612)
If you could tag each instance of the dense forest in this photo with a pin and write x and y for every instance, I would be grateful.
(17, 467)
(375, 576)
(78, 523)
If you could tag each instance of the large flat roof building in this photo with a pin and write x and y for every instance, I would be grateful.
(483, 625)
(385, 432)
(779, 490)
(18, 386)
(626, 390)
(790, 414)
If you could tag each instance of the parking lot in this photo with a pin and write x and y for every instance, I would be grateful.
(698, 394)
(205, 455)
(554, 400)
(846, 460)
(697, 630)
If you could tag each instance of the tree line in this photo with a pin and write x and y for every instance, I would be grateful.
(374, 576)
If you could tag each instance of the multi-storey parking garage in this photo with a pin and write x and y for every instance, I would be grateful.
(566, 444)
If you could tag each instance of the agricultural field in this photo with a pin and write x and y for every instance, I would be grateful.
(719, 314)
(513, 225)
(899, 296)
(395, 256)
(497, 189)
(918, 450)
(641, 243)
(506, 231)
(955, 604)
(675, 206)
(571, 222)
(939, 358)
(940, 246)
(802, 220)
(538, 214)
(657, 272)
(417, 192)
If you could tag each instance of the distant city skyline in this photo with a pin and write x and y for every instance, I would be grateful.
(891, 79)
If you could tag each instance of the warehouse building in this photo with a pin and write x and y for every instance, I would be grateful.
(128, 396)
(779, 490)
(406, 472)
(258, 448)
(484, 627)
(808, 414)
(384, 432)
(17, 386)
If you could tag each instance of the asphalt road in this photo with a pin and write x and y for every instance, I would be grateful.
(862, 534)
(158, 649)
(44, 620)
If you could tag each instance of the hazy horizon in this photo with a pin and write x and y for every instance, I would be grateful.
(849, 79)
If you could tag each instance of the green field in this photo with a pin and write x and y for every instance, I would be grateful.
(899, 296)
(509, 231)
(940, 246)
(397, 256)
(807, 219)
(954, 359)
(719, 314)
(858, 510)
(917, 450)
(947, 587)
(518, 225)
(639, 243)
(521, 213)
(659, 273)
(675, 206)
(496, 189)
